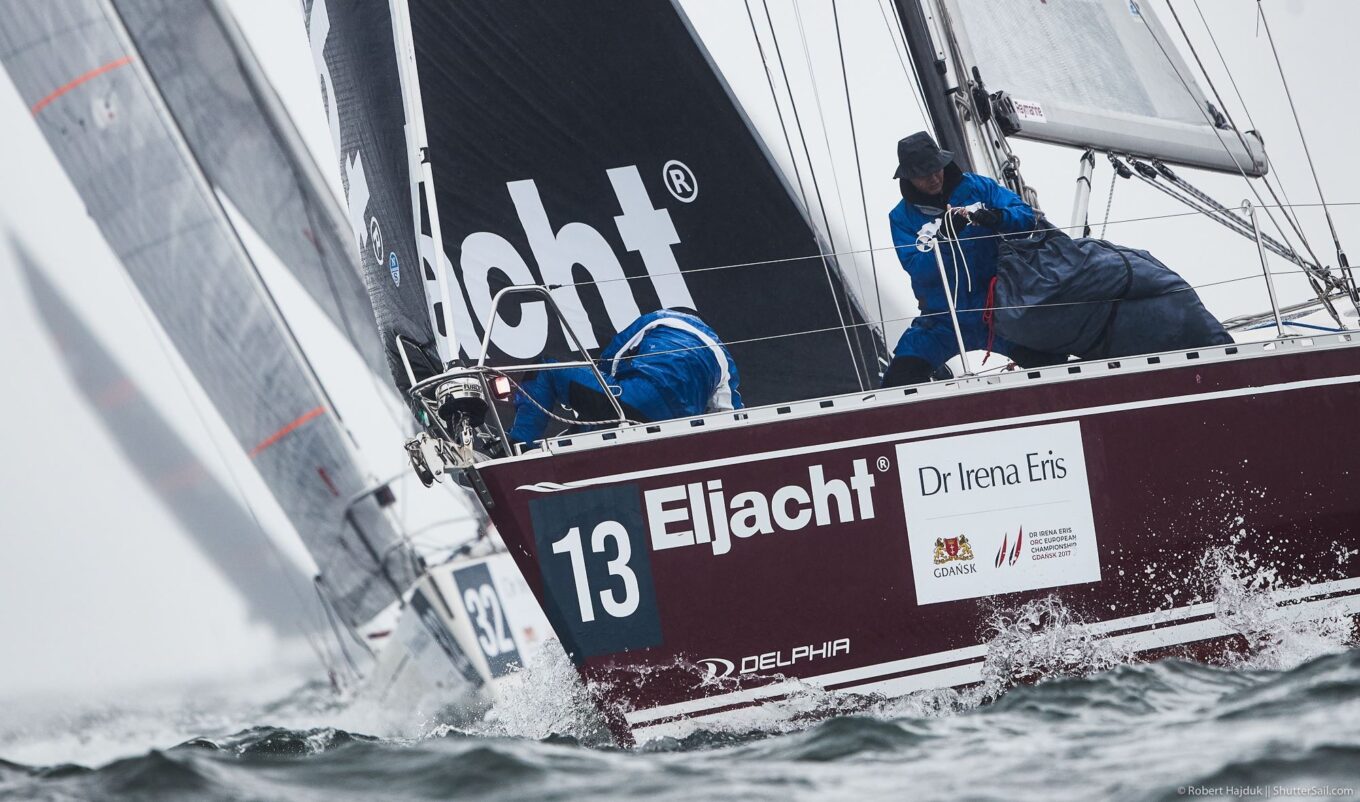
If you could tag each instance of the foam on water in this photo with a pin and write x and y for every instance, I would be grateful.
(1060, 714)
(543, 699)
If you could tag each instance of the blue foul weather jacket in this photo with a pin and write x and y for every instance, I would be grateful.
(931, 337)
(666, 364)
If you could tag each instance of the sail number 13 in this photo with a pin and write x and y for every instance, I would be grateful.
(606, 536)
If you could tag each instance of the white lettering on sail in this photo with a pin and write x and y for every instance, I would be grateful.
(643, 228)
(651, 233)
(319, 29)
(357, 182)
(482, 253)
(457, 312)
(573, 244)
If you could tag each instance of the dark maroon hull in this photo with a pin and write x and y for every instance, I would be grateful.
(1247, 450)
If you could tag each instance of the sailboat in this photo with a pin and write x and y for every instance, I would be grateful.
(274, 589)
(168, 129)
(549, 171)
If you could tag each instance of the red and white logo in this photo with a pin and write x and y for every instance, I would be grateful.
(1014, 556)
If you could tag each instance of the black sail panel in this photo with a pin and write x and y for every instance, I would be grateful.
(590, 145)
(356, 60)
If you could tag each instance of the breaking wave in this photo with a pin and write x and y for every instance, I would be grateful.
(1059, 714)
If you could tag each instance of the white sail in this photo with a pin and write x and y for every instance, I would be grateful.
(1098, 73)
(102, 113)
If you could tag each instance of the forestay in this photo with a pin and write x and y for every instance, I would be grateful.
(94, 101)
(592, 147)
(1098, 73)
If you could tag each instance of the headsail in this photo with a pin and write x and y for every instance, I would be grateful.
(1110, 77)
(103, 116)
(251, 151)
(356, 60)
(273, 589)
(591, 147)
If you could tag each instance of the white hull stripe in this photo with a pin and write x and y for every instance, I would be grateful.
(967, 427)
(1139, 632)
(971, 673)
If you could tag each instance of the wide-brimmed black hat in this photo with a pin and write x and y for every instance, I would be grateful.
(918, 155)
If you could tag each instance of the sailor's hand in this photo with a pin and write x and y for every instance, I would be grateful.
(958, 219)
(987, 218)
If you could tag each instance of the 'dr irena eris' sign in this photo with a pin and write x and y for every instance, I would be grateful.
(998, 512)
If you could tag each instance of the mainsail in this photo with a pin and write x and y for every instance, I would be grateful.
(274, 590)
(1099, 73)
(251, 151)
(590, 147)
(103, 116)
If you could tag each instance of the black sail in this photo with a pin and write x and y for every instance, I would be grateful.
(105, 120)
(590, 145)
(356, 59)
(275, 591)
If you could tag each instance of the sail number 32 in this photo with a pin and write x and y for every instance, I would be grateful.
(605, 532)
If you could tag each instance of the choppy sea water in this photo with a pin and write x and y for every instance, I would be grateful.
(1281, 722)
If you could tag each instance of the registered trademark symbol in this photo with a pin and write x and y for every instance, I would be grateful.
(680, 181)
(883, 464)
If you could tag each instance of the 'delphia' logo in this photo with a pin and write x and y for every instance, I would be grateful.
(949, 549)
(1014, 557)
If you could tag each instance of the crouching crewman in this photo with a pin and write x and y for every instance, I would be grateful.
(666, 364)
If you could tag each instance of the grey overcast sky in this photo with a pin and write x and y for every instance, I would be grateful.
(97, 584)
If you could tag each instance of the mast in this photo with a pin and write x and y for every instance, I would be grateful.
(931, 71)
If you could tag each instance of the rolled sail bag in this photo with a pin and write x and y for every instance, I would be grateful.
(1161, 312)
(1053, 293)
(1095, 299)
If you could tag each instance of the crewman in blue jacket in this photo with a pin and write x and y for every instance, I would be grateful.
(666, 364)
(940, 199)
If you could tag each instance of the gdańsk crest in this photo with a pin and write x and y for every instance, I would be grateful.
(949, 549)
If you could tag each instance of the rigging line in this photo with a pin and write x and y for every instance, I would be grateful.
(894, 248)
(860, 371)
(924, 315)
(1293, 223)
(1284, 249)
(859, 174)
(909, 73)
(1336, 240)
(115, 20)
(276, 119)
(1232, 80)
(173, 130)
(273, 548)
(1218, 213)
(778, 107)
(1109, 203)
(335, 631)
(1227, 218)
(835, 181)
(1205, 114)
